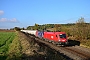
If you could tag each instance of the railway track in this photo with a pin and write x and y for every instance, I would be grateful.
(80, 53)
(71, 52)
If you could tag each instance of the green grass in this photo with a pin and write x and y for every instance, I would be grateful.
(14, 52)
(6, 39)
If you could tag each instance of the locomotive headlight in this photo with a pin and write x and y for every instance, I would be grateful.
(59, 40)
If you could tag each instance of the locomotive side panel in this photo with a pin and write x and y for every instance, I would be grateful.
(50, 36)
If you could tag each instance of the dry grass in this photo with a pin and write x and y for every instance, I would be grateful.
(85, 43)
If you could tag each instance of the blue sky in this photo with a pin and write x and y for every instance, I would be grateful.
(22, 13)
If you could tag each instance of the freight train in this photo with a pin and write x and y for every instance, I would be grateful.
(55, 37)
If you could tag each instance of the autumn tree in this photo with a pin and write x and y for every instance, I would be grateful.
(57, 27)
(36, 26)
(81, 29)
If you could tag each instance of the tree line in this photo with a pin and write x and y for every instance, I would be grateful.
(79, 30)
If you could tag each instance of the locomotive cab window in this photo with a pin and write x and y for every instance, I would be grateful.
(56, 35)
(62, 35)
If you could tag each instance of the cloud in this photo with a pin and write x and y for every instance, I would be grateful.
(3, 20)
(1, 12)
(13, 20)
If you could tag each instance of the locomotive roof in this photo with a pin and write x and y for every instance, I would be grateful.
(55, 32)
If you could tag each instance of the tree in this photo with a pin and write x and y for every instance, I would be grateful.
(81, 29)
(22, 28)
(81, 20)
(17, 28)
(57, 27)
(30, 27)
(36, 26)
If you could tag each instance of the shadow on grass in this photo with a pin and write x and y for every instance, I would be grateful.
(3, 57)
(73, 43)
(33, 57)
(50, 55)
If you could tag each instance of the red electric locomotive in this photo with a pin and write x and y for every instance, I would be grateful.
(56, 37)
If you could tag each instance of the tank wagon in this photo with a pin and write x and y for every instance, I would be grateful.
(55, 37)
(30, 31)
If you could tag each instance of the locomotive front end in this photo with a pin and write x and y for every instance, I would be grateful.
(62, 39)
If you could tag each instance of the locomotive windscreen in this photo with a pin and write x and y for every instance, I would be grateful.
(62, 35)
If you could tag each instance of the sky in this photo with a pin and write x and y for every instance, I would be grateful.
(24, 13)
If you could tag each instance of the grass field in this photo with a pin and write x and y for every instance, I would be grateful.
(6, 39)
